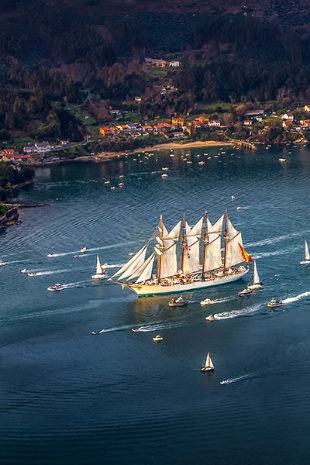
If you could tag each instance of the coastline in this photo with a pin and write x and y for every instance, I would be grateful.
(108, 156)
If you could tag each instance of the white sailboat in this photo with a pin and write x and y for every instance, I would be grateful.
(201, 261)
(100, 273)
(306, 260)
(208, 366)
(257, 284)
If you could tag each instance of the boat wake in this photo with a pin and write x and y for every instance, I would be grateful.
(236, 313)
(46, 273)
(235, 379)
(296, 298)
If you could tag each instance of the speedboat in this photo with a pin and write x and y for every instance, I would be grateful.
(55, 287)
(24, 270)
(245, 292)
(179, 302)
(84, 250)
(274, 303)
(210, 318)
(50, 255)
(31, 274)
(225, 381)
(205, 302)
(157, 338)
(95, 333)
(135, 330)
(2, 263)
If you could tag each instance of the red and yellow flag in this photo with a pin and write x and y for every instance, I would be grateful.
(247, 257)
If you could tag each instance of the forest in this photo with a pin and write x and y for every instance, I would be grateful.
(92, 53)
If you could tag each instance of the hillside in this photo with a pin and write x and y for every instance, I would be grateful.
(91, 53)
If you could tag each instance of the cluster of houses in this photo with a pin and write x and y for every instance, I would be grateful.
(175, 129)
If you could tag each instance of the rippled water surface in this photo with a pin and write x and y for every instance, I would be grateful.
(70, 398)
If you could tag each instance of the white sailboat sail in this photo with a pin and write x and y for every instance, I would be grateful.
(98, 266)
(133, 264)
(213, 257)
(168, 259)
(256, 279)
(209, 363)
(234, 243)
(307, 255)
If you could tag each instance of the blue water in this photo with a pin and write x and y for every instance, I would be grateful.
(70, 398)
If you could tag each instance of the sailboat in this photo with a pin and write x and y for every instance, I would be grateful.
(208, 366)
(100, 273)
(197, 263)
(257, 284)
(306, 260)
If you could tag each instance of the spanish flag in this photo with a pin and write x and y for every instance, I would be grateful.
(247, 257)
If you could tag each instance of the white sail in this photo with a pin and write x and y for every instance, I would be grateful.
(98, 266)
(191, 260)
(256, 279)
(168, 266)
(209, 363)
(307, 255)
(233, 245)
(125, 267)
(144, 269)
(174, 233)
(148, 268)
(213, 257)
(134, 263)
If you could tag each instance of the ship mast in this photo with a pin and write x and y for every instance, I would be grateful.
(204, 241)
(160, 246)
(183, 242)
(226, 238)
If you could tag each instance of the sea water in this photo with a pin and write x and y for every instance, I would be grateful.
(68, 397)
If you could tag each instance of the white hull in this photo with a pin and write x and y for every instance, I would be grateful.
(99, 276)
(255, 287)
(144, 290)
(305, 262)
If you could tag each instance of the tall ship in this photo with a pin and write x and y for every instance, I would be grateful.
(186, 258)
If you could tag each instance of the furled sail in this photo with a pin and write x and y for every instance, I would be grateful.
(233, 245)
(132, 265)
(213, 257)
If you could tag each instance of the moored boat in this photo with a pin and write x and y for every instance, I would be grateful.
(55, 287)
(179, 302)
(274, 303)
(208, 366)
(202, 263)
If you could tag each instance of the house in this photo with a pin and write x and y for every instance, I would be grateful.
(254, 113)
(147, 128)
(305, 123)
(287, 124)
(174, 64)
(138, 99)
(177, 135)
(43, 147)
(247, 122)
(115, 112)
(214, 123)
(177, 121)
(288, 116)
(106, 131)
(307, 108)
(8, 153)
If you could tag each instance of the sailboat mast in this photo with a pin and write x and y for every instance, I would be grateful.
(226, 238)
(204, 242)
(183, 242)
(161, 235)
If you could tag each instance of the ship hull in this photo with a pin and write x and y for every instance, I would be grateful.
(145, 290)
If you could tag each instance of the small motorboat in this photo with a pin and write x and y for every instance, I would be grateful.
(206, 302)
(24, 270)
(32, 274)
(158, 338)
(135, 330)
(208, 366)
(84, 250)
(225, 381)
(95, 333)
(179, 302)
(50, 255)
(2, 263)
(274, 303)
(55, 287)
(245, 292)
(210, 318)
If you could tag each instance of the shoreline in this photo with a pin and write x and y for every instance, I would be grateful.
(108, 156)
